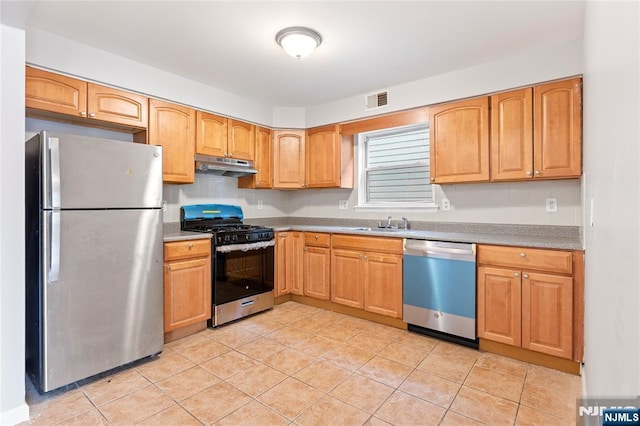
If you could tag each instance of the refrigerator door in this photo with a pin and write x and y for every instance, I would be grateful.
(101, 291)
(80, 172)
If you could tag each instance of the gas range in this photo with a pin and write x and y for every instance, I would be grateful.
(224, 222)
(242, 260)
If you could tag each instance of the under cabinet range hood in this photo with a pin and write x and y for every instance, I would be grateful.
(224, 166)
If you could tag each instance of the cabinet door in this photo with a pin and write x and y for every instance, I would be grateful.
(383, 289)
(460, 141)
(323, 157)
(262, 162)
(558, 129)
(241, 141)
(56, 93)
(317, 272)
(282, 284)
(288, 159)
(117, 106)
(547, 314)
(295, 262)
(173, 127)
(348, 274)
(187, 293)
(499, 311)
(264, 157)
(211, 136)
(512, 135)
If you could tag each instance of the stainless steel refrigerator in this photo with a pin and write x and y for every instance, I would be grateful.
(94, 278)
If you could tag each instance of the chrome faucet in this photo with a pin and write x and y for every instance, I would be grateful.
(388, 222)
(405, 223)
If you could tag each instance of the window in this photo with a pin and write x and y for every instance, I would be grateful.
(394, 169)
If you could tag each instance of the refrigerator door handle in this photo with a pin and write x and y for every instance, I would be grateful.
(54, 247)
(54, 150)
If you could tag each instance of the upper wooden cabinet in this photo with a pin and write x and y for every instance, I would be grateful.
(512, 135)
(211, 137)
(224, 137)
(557, 134)
(263, 161)
(460, 141)
(241, 142)
(536, 132)
(174, 128)
(58, 94)
(288, 159)
(329, 158)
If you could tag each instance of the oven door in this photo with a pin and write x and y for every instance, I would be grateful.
(242, 270)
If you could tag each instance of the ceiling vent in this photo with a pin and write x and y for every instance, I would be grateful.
(377, 100)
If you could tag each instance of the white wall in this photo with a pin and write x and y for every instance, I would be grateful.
(71, 57)
(612, 155)
(13, 408)
(223, 190)
(523, 70)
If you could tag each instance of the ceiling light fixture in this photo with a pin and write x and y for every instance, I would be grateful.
(298, 41)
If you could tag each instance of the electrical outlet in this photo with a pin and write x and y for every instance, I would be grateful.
(260, 205)
(446, 205)
(551, 205)
(343, 204)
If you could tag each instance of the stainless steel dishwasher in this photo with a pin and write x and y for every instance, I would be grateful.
(439, 294)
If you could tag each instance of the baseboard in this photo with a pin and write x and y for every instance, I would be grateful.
(347, 310)
(15, 415)
(532, 357)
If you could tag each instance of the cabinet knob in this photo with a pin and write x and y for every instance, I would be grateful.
(433, 179)
(537, 172)
(365, 257)
(190, 246)
(305, 249)
(523, 254)
(316, 238)
(168, 267)
(525, 276)
(529, 173)
(83, 113)
(230, 155)
(515, 274)
(92, 114)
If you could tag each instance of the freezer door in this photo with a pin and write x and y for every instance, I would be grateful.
(80, 172)
(101, 292)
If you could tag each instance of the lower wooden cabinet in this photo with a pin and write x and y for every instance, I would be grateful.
(187, 283)
(288, 272)
(526, 299)
(317, 265)
(366, 273)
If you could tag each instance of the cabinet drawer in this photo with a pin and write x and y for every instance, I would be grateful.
(317, 239)
(375, 244)
(527, 258)
(187, 249)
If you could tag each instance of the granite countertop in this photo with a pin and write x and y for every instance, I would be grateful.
(540, 236)
(172, 232)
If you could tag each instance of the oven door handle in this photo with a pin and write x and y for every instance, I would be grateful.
(245, 247)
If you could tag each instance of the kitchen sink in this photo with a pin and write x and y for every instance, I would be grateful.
(367, 229)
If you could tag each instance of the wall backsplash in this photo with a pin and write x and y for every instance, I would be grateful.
(513, 203)
(223, 190)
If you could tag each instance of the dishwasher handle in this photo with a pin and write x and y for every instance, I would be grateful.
(441, 249)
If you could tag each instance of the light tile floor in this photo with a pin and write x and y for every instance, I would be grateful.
(297, 364)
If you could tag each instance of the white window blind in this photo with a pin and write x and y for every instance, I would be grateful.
(396, 167)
